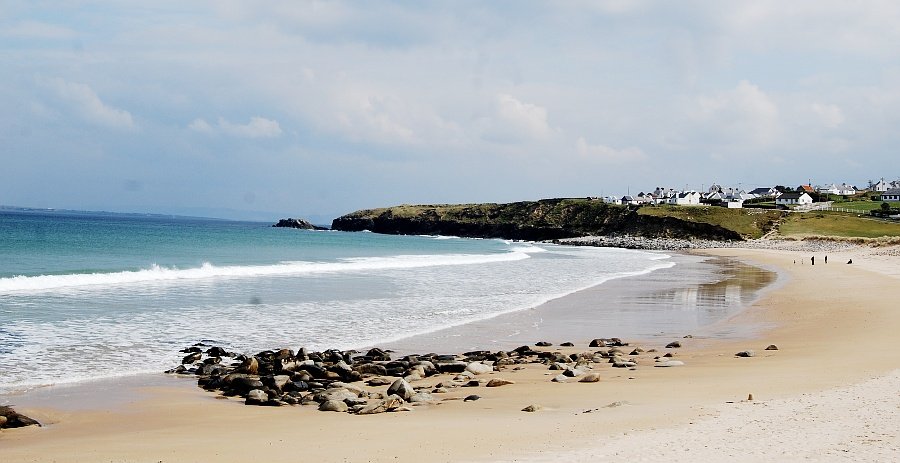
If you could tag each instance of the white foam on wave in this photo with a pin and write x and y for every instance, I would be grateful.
(207, 270)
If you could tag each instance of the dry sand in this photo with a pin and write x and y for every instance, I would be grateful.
(830, 392)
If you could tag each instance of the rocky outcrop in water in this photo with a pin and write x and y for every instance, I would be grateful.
(297, 223)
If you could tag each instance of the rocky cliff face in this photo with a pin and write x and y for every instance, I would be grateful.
(531, 220)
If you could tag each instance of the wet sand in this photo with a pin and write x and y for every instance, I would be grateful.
(694, 297)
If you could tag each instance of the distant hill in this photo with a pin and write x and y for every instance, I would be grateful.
(549, 219)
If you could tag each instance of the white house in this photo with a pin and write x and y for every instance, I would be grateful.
(612, 200)
(686, 198)
(734, 204)
(842, 189)
(764, 191)
(793, 198)
(881, 186)
(891, 195)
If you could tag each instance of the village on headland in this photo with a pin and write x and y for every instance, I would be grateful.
(802, 197)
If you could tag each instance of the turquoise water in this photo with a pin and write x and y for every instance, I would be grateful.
(85, 296)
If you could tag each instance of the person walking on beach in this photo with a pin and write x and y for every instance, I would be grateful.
(813, 260)
(826, 258)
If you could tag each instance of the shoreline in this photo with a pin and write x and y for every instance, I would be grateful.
(813, 317)
(560, 319)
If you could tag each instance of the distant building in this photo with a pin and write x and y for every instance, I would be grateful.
(686, 198)
(612, 200)
(793, 198)
(764, 191)
(806, 189)
(842, 189)
(891, 195)
(880, 187)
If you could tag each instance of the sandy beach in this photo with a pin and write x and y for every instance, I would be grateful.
(830, 392)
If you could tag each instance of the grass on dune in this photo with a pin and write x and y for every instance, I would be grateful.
(750, 223)
(801, 225)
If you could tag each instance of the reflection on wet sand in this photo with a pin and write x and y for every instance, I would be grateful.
(738, 286)
(688, 298)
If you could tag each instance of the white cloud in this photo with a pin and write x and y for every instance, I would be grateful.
(606, 154)
(515, 121)
(745, 114)
(89, 105)
(829, 115)
(258, 127)
(527, 116)
(375, 118)
(200, 125)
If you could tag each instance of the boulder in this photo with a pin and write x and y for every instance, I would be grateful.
(402, 389)
(497, 382)
(479, 368)
(745, 353)
(471, 398)
(451, 367)
(590, 378)
(597, 343)
(391, 403)
(191, 358)
(379, 381)
(249, 366)
(421, 397)
(772, 347)
(532, 408)
(340, 394)
(333, 406)
(257, 397)
(560, 379)
(371, 369)
(673, 345)
(669, 363)
(543, 344)
(9, 418)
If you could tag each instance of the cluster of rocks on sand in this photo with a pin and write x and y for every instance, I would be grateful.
(9, 418)
(373, 382)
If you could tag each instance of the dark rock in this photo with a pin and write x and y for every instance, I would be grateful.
(772, 347)
(250, 366)
(451, 367)
(370, 369)
(9, 418)
(471, 398)
(597, 343)
(297, 223)
(567, 344)
(543, 344)
(745, 353)
(191, 358)
(402, 389)
(673, 345)
(378, 354)
(532, 408)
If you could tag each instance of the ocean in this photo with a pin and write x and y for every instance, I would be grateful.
(86, 296)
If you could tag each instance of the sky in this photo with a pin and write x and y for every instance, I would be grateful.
(263, 110)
